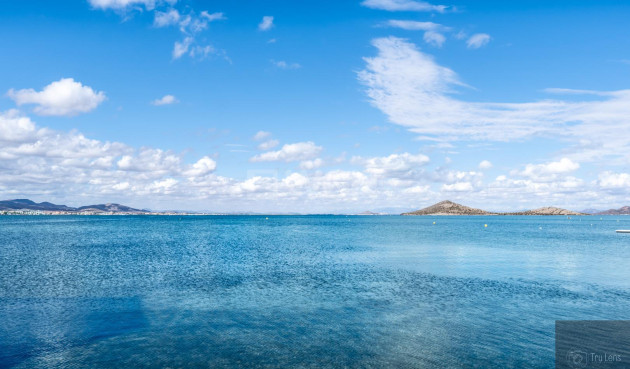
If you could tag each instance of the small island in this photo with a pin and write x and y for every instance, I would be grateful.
(451, 208)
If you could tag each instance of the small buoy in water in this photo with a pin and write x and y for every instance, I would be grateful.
(485, 225)
(433, 222)
(266, 218)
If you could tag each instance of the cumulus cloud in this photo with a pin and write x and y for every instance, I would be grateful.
(610, 179)
(404, 5)
(458, 187)
(16, 128)
(266, 24)
(478, 40)
(485, 164)
(165, 100)
(52, 165)
(393, 166)
(312, 164)
(65, 97)
(290, 152)
(414, 91)
(549, 170)
(202, 167)
(44, 161)
(268, 145)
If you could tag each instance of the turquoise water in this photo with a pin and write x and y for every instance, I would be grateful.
(303, 291)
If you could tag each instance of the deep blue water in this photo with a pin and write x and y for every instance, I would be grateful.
(303, 291)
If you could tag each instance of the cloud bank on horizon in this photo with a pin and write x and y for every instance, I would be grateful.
(299, 167)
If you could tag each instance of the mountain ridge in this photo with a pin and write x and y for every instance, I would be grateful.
(624, 210)
(26, 204)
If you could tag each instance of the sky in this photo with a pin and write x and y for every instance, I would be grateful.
(315, 106)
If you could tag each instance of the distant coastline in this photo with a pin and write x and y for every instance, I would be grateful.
(29, 207)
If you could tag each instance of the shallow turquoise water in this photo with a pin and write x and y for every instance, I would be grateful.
(303, 291)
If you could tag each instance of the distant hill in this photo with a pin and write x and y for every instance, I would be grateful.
(548, 210)
(448, 208)
(621, 211)
(451, 208)
(590, 211)
(115, 208)
(26, 204)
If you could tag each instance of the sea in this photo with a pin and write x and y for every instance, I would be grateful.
(320, 291)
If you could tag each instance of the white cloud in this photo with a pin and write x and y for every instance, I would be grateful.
(284, 65)
(121, 4)
(404, 5)
(549, 171)
(213, 16)
(181, 48)
(150, 160)
(295, 180)
(261, 135)
(417, 26)
(268, 145)
(201, 52)
(478, 40)
(434, 38)
(165, 100)
(393, 166)
(266, 24)
(312, 164)
(415, 92)
(458, 187)
(16, 128)
(168, 18)
(485, 164)
(189, 22)
(290, 152)
(61, 98)
(187, 47)
(609, 179)
(44, 161)
(59, 166)
(202, 167)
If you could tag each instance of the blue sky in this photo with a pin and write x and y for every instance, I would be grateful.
(315, 106)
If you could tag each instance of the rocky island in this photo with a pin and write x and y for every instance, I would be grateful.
(450, 208)
(548, 210)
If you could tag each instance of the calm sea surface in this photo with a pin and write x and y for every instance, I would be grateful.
(303, 291)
